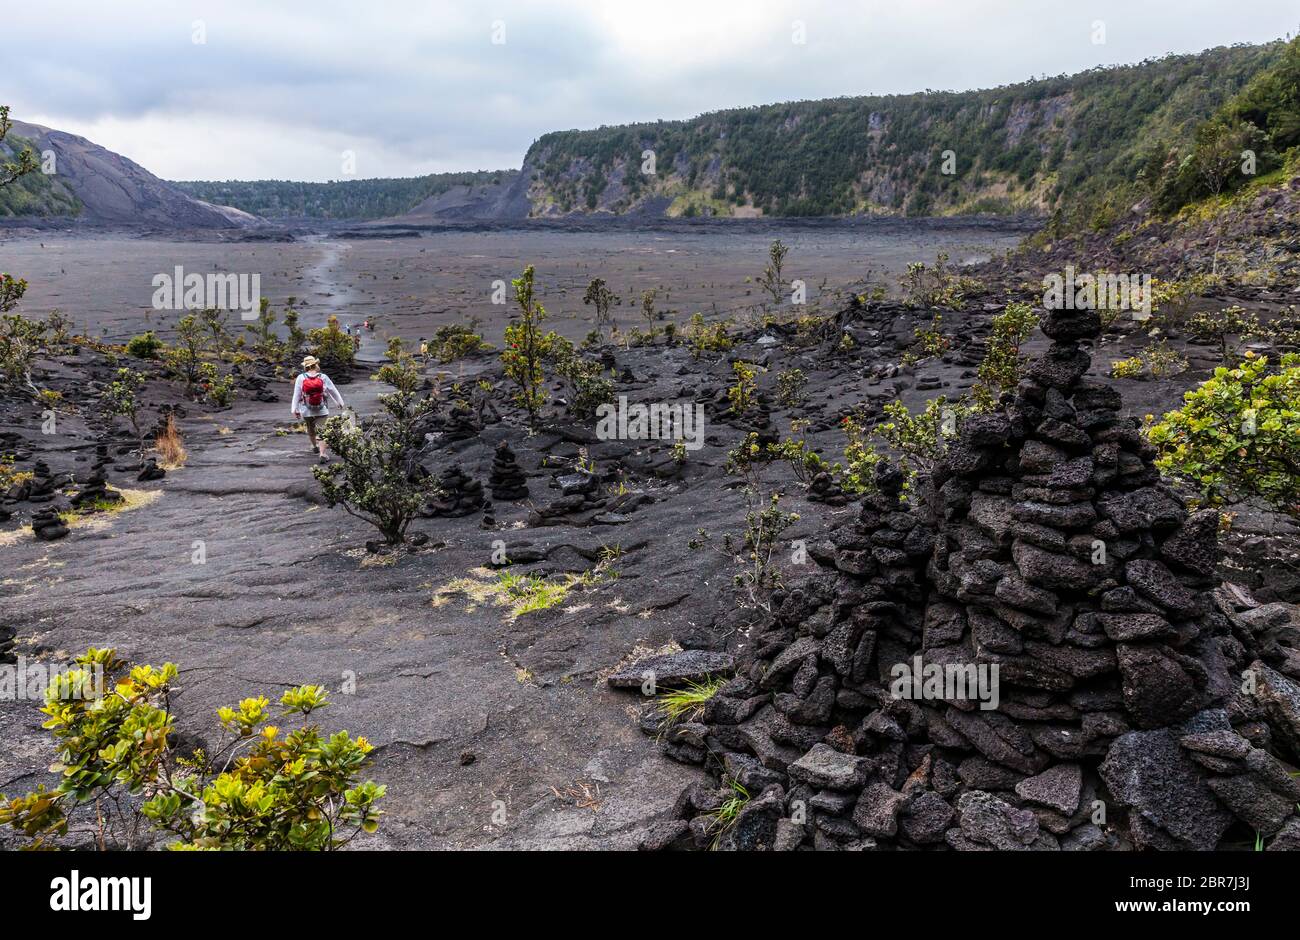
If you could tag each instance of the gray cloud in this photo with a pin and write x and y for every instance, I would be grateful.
(413, 87)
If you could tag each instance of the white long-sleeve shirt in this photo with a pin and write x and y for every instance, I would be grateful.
(296, 404)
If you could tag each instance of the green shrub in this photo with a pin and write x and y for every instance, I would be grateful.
(451, 343)
(860, 459)
(803, 460)
(20, 341)
(121, 399)
(588, 388)
(378, 476)
(999, 371)
(648, 311)
(1162, 360)
(147, 345)
(257, 788)
(186, 354)
(740, 394)
(917, 440)
(526, 348)
(1238, 434)
(218, 390)
(1130, 368)
(936, 286)
(1220, 326)
(599, 295)
(772, 279)
(930, 342)
(334, 348)
(707, 338)
(1285, 328)
(789, 387)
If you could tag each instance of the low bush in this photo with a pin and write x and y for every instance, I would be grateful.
(258, 787)
(1238, 434)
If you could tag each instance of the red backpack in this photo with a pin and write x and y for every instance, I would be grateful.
(313, 390)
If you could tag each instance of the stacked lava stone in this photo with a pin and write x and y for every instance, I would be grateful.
(461, 495)
(507, 479)
(1086, 689)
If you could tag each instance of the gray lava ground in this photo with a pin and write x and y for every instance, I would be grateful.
(489, 732)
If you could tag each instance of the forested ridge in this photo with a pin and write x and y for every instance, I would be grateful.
(337, 199)
(1034, 146)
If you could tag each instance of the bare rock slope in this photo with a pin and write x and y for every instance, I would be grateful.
(116, 191)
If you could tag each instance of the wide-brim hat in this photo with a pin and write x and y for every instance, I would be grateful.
(310, 361)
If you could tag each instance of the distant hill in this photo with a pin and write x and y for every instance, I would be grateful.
(345, 199)
(1034, 146)
(95, 185)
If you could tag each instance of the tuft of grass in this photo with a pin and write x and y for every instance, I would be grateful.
(170, 447)
(725, 816)
(97, 515)
(521, 593)
(528, 593)
(688, 704)
(100, 505)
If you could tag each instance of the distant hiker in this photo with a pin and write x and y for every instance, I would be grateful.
(311, 392)
(424, 348)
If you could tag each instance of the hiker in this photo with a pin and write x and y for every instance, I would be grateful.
(311, 393)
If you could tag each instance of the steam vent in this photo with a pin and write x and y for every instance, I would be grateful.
(1106, 695)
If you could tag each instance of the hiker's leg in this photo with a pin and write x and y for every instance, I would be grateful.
(311, 432)
(317, 439)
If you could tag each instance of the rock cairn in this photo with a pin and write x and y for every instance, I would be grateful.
(255, 385)
(1028, 657)
(47, 526)
(822, 488)
(41, 488)
(583, 502)
(15, 444)
(461, 495)
(94, 493)
(460, 424)
(506, 478)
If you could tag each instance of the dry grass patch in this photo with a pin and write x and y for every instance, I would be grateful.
(170, 446)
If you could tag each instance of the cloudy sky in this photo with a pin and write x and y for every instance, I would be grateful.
(246, 89)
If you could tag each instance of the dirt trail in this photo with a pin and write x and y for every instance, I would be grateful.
(285, 594)
(331, 295)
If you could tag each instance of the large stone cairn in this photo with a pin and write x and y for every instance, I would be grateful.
(460, 495)
(507, 479)
(1044, 545)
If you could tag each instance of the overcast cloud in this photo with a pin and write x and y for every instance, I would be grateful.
(282, 90)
